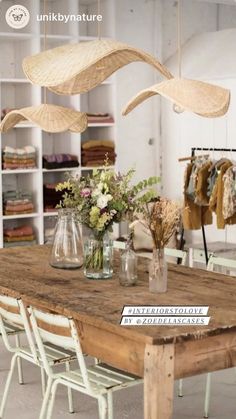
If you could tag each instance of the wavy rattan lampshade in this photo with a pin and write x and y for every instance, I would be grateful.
(78, 68)
(50, 118)
(196, 96)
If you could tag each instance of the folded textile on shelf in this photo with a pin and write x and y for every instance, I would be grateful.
(24, 230)
(57, 161)
(17, 202)
(99, 118)
(97, 143)
(21, 243)
(19, 158)
(51, 197)
(19, 236)
(95, 152)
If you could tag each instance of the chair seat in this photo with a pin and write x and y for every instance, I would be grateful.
(55, 354)
(102, 377)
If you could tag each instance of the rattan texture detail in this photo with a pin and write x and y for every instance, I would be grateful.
(202, 98)
(77, 68)
(50, 118)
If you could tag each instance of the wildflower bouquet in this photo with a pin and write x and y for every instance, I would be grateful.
(103, 198)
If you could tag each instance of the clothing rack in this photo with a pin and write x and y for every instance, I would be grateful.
(193, 150)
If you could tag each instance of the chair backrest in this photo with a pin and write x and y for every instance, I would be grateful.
(176, 253)
(13, 312)
(60, 331)
(197, 256)
(214, 261)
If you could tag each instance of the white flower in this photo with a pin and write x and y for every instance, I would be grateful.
(103, 200)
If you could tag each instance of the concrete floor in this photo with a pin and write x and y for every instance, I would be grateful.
(25, 400)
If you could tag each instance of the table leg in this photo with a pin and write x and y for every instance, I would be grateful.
(158, 381)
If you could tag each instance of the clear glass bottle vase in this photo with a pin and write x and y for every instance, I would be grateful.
(67, 248)
(98, 257)
(158, 272)
(128, 267)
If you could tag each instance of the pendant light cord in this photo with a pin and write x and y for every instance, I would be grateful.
(179, 36)
(45, 43)
(99, 23)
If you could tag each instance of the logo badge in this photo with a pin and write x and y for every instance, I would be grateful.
(17, 16)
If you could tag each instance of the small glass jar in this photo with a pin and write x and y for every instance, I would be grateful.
(158, 272)
(128, 268)
(98, 257)
(67, 249)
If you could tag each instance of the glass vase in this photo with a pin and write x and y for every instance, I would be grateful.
(67, 248)
(98, 257)
(158, 272)
(128, 267)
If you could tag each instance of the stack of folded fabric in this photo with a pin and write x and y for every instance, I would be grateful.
(19, 158)
(19, 236)
(57, 161)
(17, 202)
(94, 152)
(100, 118)
(51, 197)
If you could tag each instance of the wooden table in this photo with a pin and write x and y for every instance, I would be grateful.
(159, 353)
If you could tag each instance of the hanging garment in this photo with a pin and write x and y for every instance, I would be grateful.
(201, 196)
(194, 216)
(229, 196)
(216, 200)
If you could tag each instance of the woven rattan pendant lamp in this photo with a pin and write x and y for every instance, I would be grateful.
(202, 98)
(77, 68)
(49, 118)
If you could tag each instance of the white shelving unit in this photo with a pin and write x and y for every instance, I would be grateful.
(16, 92)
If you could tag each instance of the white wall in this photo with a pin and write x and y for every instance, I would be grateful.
(137, 23)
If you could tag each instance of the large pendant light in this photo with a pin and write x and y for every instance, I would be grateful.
(50, 118)
(77, 68)
(202, 98)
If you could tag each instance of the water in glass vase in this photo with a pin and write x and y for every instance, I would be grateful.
(98, 255)
(158, 272)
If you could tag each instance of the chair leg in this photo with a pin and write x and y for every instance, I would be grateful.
(43, 380)
(19, 362)
(43, 410)
(102, 407)
(7, 385)
(110, 404)
(70, 398)
(180, 389)
(207, 396)
(51, 399)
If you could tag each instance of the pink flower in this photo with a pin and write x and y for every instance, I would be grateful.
(85, 192)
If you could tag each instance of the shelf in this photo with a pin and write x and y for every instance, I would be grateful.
(96, 167)
(19, 171)
(50, 214)
(14, 81)
(26, 125)
(15, 36)
(19, 216)
(101, 124)
(58, 37)
(63, 169)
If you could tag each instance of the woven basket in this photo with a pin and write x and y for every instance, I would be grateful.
(195, 96)
(50, 118)
(78, 68)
